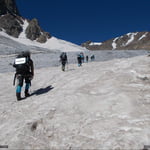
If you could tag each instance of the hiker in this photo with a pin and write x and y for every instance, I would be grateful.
(63, 60)
(92, 58)
(79, 59)
(87, 58)
(82, 57)
(24, 71)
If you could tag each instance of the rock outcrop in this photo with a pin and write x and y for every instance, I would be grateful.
(12, 23)
(8, 6)
(34, 32)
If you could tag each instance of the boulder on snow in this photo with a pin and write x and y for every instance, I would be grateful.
(43, 37)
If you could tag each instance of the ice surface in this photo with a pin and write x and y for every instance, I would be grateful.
(102, 105)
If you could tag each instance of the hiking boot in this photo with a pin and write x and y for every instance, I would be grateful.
(26, 93)
(18, 95)
(63, 68)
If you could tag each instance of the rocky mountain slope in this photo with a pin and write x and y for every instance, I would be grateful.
(20, 34)
(130, 41)
(12, 23)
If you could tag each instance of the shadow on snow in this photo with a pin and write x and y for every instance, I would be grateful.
(42, 90)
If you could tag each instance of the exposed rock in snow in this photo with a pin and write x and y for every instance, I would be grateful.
(129, 41)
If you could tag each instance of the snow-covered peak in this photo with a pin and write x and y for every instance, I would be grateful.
(62, 45)
(95, 43)
(52, 44)
(114, 45)
(143, 36)
(131, 37)
(129, 41)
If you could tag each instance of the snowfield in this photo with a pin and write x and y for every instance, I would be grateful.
(22, 43)
(101, 105)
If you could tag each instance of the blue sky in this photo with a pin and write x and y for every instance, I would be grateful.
(78, 21)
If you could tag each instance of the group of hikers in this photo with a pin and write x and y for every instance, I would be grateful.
(80, 59)
(25, 70)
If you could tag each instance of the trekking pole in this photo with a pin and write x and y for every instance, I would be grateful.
(14, 79)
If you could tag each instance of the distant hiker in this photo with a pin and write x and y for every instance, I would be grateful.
(63, 60)
(82, 57)
(79, 59)
(24, 71)
(87, 58)
(92, 58)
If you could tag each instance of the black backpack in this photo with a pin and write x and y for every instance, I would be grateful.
(22, 64)
(63, 57)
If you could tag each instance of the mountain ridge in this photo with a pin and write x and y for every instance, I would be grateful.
(12, 23)
(129, 41)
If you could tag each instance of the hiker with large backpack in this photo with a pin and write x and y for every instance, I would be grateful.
(63, 60)
(79, 59)
(92, 58)
(82, 57)
(24, 72)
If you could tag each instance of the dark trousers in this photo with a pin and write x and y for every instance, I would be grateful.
(20, 81)
(63, 65)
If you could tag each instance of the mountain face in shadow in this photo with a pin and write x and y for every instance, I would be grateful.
(8, 6)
